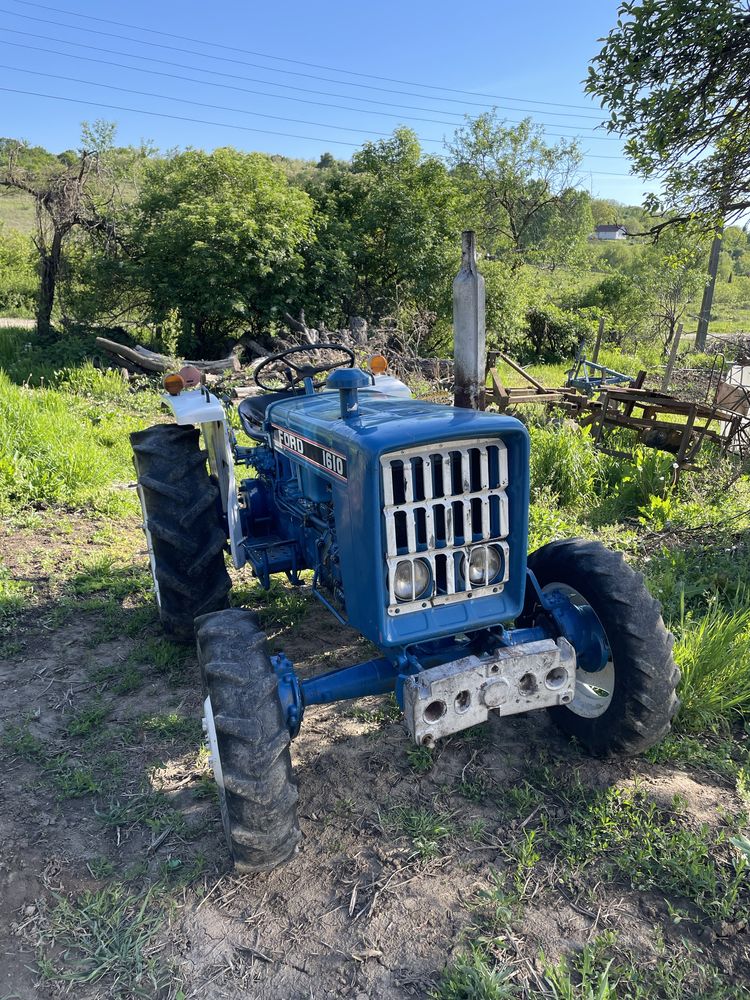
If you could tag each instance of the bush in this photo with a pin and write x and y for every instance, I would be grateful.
(553, 334)
(18, 278)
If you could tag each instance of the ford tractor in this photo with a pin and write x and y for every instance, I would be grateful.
(409, 520)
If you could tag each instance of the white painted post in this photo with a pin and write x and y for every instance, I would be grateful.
(469, 338)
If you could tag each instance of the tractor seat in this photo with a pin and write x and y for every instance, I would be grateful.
(252, 409)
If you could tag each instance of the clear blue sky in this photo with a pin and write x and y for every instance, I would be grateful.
(442, 60)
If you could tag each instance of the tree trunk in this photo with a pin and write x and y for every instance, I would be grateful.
(49, 268)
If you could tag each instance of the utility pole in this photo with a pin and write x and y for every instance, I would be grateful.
(708, 292)
(469, 337)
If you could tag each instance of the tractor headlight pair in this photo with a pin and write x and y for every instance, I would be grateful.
(411, 579)
(485, 565)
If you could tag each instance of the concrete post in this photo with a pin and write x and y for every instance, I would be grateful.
(469, 339)
(708, 292)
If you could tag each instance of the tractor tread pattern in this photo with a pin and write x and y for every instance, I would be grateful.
(644, 699)
(183, 515)
(260, 790)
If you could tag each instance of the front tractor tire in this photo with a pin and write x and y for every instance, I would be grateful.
(248, 740)
(628, 706)
(183, 523)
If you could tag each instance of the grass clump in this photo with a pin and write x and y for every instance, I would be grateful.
(713, 654)
(427, 829)
(108, 935)
(631, 838)
(475, 977)
(565, 463)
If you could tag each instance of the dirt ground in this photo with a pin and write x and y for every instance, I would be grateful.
(103, 782)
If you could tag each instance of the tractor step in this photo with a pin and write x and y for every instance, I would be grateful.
(462, 693)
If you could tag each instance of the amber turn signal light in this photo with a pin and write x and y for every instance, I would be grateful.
(378, 364)
(174, 384)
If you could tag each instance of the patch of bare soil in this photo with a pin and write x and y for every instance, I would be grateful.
(365, 908)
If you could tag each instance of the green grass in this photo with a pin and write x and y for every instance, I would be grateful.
(713, 654)
(626, 836)
(475, 977)
(17, 211)
(106, 936)
(55, 451)
(427, 829)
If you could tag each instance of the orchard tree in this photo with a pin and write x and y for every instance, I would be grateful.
(216, 241)
(673, 75)
(517, 187)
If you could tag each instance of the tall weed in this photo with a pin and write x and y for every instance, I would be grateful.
(713, 653)
(565, 463)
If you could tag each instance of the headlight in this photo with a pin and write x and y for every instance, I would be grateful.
(485, 565)
(411, 579)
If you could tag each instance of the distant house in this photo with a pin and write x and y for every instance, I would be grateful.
(610, 233)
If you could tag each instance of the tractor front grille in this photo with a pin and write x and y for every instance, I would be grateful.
(440, 502)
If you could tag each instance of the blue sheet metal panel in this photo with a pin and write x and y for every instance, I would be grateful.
(387, 425)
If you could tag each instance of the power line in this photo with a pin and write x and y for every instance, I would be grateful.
(203, 121)
(180, 118)
(234, 76)
(200, 104)
(298, 62)
(213, 107)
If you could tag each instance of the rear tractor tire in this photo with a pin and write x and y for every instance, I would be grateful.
(628, 705)
(184, 526)
(248, 740)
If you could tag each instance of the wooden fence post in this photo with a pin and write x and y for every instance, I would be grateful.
(598, 344)
(672, 359)
(469, 338)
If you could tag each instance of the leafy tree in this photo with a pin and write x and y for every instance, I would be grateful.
(519, 189)
(673, 75)
(388, 234)
(669, 274)
(215, 240)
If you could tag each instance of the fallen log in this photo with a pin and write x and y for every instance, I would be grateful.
(144, 360)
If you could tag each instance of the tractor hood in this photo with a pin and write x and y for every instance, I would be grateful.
(365, 464)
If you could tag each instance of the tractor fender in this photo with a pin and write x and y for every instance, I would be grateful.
(202, 409)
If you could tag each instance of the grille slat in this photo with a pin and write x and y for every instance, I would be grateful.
(439, 501)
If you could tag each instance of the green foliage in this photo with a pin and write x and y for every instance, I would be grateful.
(673, 76)
(713, 653)
(553, 333)
(519, 190)
(565, 464)
(218, 238)
(106, 935)
(18, 276)
(387, 235)
(654, 849)
(475, 977)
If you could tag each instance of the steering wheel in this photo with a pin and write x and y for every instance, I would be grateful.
(295, 374)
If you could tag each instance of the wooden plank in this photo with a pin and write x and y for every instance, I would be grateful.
(521, 371)
(497, 385)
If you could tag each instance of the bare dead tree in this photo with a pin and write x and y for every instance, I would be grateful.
(63, 200)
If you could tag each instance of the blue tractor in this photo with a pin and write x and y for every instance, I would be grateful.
(413, 519)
